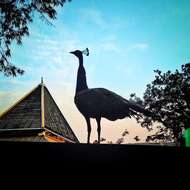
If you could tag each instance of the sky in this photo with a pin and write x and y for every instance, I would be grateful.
(127, 40)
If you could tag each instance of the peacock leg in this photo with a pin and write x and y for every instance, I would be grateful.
(88, 129)
(98, 120)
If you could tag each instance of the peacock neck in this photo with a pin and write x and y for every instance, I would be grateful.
(81, 77)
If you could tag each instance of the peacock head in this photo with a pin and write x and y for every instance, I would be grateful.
(79, 53)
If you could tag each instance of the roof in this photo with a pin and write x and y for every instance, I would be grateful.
(20, 132)
(26, 113)
(54, 119)
(34, 138)
(36, 111)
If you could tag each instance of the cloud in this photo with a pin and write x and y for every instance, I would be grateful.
(106, 45)
(109, 47)
(50, 58)
(100, 19)
(138, 46)
(110, 44)
(93, 16)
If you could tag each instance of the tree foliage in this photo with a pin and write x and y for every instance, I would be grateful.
(15, 15)
(168, 99)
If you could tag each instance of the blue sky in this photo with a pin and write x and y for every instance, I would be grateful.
(127, 40)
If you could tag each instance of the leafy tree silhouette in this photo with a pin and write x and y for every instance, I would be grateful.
(168, 99)
(15, 15)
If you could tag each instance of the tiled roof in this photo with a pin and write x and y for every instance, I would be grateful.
(34, 111)
(24, 114)
(54, 118)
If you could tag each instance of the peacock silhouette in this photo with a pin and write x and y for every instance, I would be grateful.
(99, 102)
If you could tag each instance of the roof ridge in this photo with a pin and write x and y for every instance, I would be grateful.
(42, 106)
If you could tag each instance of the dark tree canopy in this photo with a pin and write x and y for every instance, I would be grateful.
(15, 15)
(168, 98)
